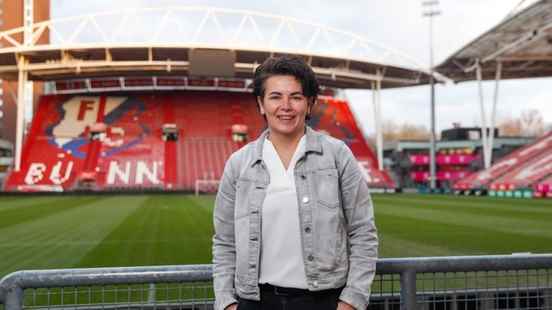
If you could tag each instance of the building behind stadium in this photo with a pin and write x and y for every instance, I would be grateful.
(14, 14)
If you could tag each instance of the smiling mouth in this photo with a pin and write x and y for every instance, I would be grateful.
(286, 118)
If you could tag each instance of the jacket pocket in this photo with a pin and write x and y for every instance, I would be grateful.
(241, 207)
(330, 238)
(241, 226)
(242, 249)
(327, 187)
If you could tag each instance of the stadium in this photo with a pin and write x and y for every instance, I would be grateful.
(131, 129)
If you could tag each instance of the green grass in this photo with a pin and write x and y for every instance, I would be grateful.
(94, 231)
(416, 225)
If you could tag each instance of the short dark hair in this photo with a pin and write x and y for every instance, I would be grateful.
(286, 65)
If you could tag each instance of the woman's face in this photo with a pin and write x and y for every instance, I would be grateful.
(284, 105)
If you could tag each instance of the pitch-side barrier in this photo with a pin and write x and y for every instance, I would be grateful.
(467, 282)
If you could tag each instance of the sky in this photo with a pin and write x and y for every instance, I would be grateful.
(397, 24)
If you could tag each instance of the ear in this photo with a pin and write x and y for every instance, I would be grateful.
(310, 106)
(260, 103)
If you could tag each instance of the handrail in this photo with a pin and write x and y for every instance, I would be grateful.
(12, 285)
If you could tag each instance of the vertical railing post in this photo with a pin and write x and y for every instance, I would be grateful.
(547, 293)
(408, 290)
(14, 298)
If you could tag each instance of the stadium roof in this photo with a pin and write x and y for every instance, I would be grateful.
(198, 41)
(521, 44)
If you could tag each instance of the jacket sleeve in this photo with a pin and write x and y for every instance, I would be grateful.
(224, 250)
(361, 230)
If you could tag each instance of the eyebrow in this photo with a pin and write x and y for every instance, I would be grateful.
(292, 94)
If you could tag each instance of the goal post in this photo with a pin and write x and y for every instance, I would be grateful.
(206, 186)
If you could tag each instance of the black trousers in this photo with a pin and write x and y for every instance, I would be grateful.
(274, 300)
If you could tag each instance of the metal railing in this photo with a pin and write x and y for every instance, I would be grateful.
(468, 282)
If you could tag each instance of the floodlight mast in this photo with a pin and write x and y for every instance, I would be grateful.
(431, 10)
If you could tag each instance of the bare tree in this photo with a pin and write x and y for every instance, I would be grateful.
(393, 132)
(389, 130)
(510, 127)
(530, 123)
(413, 132)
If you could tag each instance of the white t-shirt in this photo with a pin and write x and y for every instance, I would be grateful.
(281, 252)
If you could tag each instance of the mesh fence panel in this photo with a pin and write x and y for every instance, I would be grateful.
(132, 296)
(386, 290)
(517, 289)
(520, 289)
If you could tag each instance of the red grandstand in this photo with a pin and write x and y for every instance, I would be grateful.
(527, 167)
(124, 142)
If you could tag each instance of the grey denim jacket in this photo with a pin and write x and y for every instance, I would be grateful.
(338, 233)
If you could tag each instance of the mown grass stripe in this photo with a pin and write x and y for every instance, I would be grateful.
(46, 208)
(535, 226)
(23, 201)
(62, 239)
(537, 205)
(456, 237)
(63, 235)
(177, 229)
(172, 230)
(401, 245)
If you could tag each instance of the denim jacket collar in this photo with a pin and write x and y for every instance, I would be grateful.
(312, 144)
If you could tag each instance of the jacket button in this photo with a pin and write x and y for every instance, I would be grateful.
(310, 257)
(305, 199)
(307, 229)
(253, 239)
(303, 176)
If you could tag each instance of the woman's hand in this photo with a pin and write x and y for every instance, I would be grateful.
(344, 306)
(232, 307)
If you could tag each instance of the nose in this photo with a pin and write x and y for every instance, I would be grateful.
(286, 104)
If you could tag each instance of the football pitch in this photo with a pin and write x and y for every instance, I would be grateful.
(38, 232)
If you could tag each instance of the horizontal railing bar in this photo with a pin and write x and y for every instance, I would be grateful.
(465, 263)
(104, 276)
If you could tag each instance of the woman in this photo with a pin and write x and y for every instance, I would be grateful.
(294, 224)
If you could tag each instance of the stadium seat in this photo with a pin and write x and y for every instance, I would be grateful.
(526, 174)
(522, 168)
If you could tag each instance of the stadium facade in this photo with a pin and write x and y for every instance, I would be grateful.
(128, 110)
(123, 111)
(14, 14)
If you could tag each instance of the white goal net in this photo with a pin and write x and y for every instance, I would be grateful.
(206, 186)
